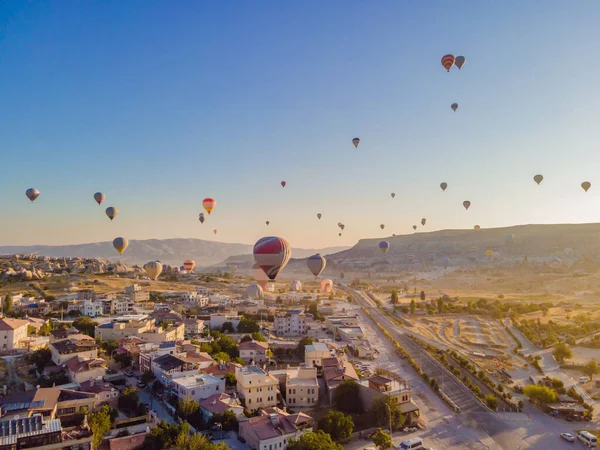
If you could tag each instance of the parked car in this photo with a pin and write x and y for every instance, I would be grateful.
(583, 379)
(567, 437)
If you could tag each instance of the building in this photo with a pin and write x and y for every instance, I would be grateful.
(148, 352)
(168, 367)
(80, 370)
(106, 393)
(274, 428)
(255, 351)
(192, 327)
(348, 334)
(32, 306)
(89, 308)
(257, 387)
(86, 294)
(302, 387)
(201, 290)
(221, 369)
(334, 322)
(291, 323)
(221, 300)
(336, 370)
(314, 354)
(12, 332)
(173, 332)
(121, 306)
(218, 404)
(198, 300)
(198, 387)
(217, 320)
(64, 350)
(58, 403)
(113, 331)
(64, 334)
(136, 294)
(39, 432)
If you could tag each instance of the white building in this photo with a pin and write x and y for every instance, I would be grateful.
(270, 287)
(121, 306)
(193, 297)
(273, 429)
(257, 387)
(136, 294)
(302, 387)
(291, 323)
(221, 300)
(314, 354)
(198, 386)
(12, 332)
(89, 308)
(217, 320)
(193, 327)
(201, 290)
(255, 351)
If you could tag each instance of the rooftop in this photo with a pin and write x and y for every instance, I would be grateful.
(11, 324)
(222, 369)
(11, 429)
(169, 362)
(75, 345)
(219, 403)
(202, 379)
(274, 422)
(317, 347)
(253, 345)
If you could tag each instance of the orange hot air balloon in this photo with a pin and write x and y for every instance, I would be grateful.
(189, 265)
(448, 61)
(326, 285)
(209, 204)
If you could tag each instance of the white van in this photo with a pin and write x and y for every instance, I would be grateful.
(411, 444)
(587, 438)
(584, 379)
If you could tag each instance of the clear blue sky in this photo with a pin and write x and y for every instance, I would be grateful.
(160, 104)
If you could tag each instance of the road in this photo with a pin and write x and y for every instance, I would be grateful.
(155, 404)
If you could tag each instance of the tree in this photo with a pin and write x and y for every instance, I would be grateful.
(440, 305)
(561, 352)
(99, 423)
(259, 337)
(227, 327)
(337, 424)
(45, 329)
(230, 379)
(394, 297)
(470, 306)
(124, 359)
(413, 306)
(380, 412)
(187, 406)
(491, 401)
(347, 397)
(85, 325)
(591, 369)
(41, 358)
(423, 295)
(221, 356)
(165, 435)
(7, 305)
(307, 340)
(228, 420)
(196, 441)
(248, 325)
(381, 439)
(313, 441)
(246, 338)
(129, 400)
(540, 394)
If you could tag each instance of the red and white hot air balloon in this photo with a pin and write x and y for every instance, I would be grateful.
(209, 204)
(272, 253)
(260, 276)
(448, 61)
(189, 265)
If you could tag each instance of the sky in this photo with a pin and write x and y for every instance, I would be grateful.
(160, 104)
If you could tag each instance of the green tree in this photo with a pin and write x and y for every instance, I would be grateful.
(440, 305)
(196, 441)
(165, 436)
(382, 408)
(221, 356)
(413, 306)
(7, 305)
(124, 359)
(381, 439)
(347, 397)
(85, 325)
(45, 329)
(591, 369)
(394, 298)
(337, 424)
(491, 401)
(313, 441)
(230, 379)
(187, 406)
(41, 358)
(129, 400)
(228, 420)
(99, 423)
(227, 345)
(306, 340)
(423, 295)
(227, 327)
(248, 325)
(561, 352)
(259, 337)
(246, 338)
(540, 394)
(470, 306)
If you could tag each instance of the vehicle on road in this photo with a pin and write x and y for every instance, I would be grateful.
(583, 380)
(141, 384)
(567, 437)
(587, 438)
(412, 444)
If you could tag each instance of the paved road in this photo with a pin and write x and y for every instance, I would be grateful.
(155, 404)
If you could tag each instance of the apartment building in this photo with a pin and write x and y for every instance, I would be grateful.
(217, 320)
(113, 331)
(86, 294)
(32, 306)
(12, 333)
(83, 347)
(257, 387)
(314, 354)
(192, 327)
(198, 387)
(290, 323)
(193, 298)
(135, 293)
(79, 369)
(336, 370)
(253, 351)
(89, 308)
(301, 387)
(273, 429)
(389, 384)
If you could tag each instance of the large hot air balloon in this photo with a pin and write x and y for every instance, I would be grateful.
(153, 269)
(460, 61)
(448, 62)
(316, 264)
(272, 254)
(356, 141)
(209, 204)
(99, 197)
(414, 227)
(295, 286)
(382, 226)
(538, 178)
(120, 244)
(201, 218)
(384, 246)
(189, 265)
(477, 228)
(444, 186)
(254, 291)
(466, 204)
(32, 194)
(111, 212)
(393, 195)
(489, 254)
(319, 215)
(326, 286)
(260, 276)
(267, 222)
(423, 221)
(585, 185)
(214, 231)
(454, 106)
(283, 183)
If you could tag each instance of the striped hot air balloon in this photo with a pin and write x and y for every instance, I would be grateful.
(448, 61)
(189, 265)
(32, 194)
(209, 204)
(153, 269)
(454, 106)
(272, 253)
(316, 264)
(111, 212)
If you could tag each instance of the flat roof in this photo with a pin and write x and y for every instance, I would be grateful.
(197, 380)
(317, 347)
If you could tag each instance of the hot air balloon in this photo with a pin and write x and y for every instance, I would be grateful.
(214, 231)
(382, 226)
(393, 195)
(509, 239)
(568, 251)
(189, 265)
(477, 228)
(414, 227)
(340, 234)
(272, 254)
(32, 194)
(111, 212)
(496, 255)
(326, 286)
(585, 185)
(201, 218)
(384, 246)
(356, 141)
(209, 204)
(448, 62)
(182, 271)
(260, 276)
(423, 221)
(120, 244)
(254, 292)
(316, 264)
(153, 269)
(454, 106)
(466, 204)
(99, 197)
(295, 286)
(489, 254)
(319, 215)
(538, 178)
(267, 222)
(460, 61)
(443, 186)
(342, 226)
(283, 183)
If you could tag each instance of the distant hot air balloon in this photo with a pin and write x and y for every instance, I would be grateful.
(342, 226)
(32, 194)
(568, 251)
(382, 226)
(454, 106)
(384, 246)
(319, 215)
(272, 254)
(214, 231)
(477, 228)
(509, 238)
(496, 255)
(393, 195)
(209, 204)
(538, 178)
(340, 234)
(120, 244)
(489, 254)
(414, 227)
(295, 286)
(283, 183)
(466, 204)
(99, 197)
(443, 186)
(254, 292)
(182, 271)
(111, 212)
(189, 265)
(260, 276)
(153, 269)
(267, 222)
(586, 185)
(423, 221)
(316, 264)
(356, 141)
(326, 286)
(448, 61)
(460, 61)
(201, 218)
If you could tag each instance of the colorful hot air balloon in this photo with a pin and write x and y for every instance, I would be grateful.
(448, 62)
(414, 227)
(32, 194)
(254, 291)
(382, 226)
(454, 106)
(477, 228)
(283, 183)
(356, 141)
(201, 218)
(272, 254)
(209, 204)
(319, 215)
(384, 246)
(316, 264)
(182, 271)
(111, 212)
(460, 61)
(267, 222)
(423, 221)
(214, 231)
(538, 178)
(489, 254)
(585, 185)
(466, 204)
(189, 265)
(153, 269)
(295, 286)
(443, 186)
(120, 244)
(326, 286)
(260, 276)
(393, 195)
(99, 197)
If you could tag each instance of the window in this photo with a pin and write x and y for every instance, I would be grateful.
(290, 391)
